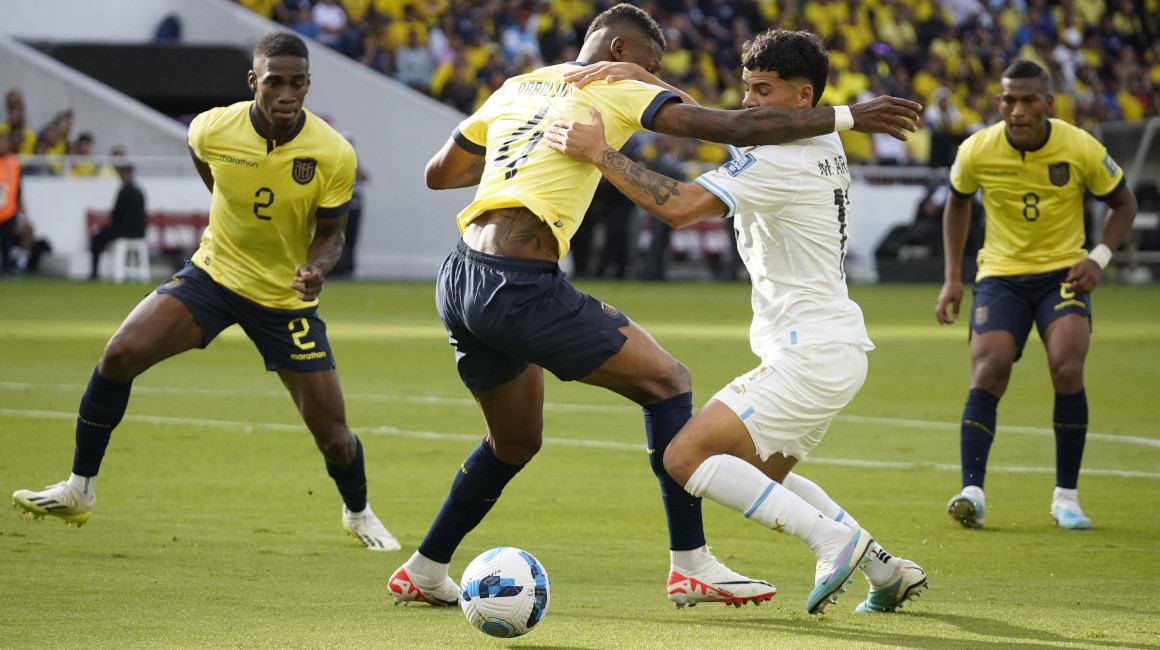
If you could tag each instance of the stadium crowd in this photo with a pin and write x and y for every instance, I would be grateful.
(1104, 56)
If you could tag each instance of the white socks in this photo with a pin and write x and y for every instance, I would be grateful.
(426, 572)
(732, 482)
(690, 561)
(82, 484)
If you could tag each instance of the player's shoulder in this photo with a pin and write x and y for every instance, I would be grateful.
(1068, 134)
(221, 115)
(319, 129)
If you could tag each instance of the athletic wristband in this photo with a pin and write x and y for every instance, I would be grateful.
(1101, 255)
(843, 119)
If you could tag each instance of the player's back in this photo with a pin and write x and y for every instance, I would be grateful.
(521, 170)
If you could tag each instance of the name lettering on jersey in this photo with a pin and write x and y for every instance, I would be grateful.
(999, 172)
(1110, 165)
(832, 166)
(546, 88)
(303, 171)
(237, 161)
(1059, 173)
(738, 165)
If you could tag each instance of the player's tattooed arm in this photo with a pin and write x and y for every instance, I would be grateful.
(661, 188)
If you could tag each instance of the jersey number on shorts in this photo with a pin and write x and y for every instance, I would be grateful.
(513, 160)
(840, 200)
(267, 194)
(299, 335)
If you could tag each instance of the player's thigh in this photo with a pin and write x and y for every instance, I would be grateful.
(514, 412)
(317, 395)
(160, 326)
(787, 403)
(1066, 340)
(641, 370)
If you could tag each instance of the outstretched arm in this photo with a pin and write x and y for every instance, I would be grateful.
(769, 125)
(453, 166)
(673, 202)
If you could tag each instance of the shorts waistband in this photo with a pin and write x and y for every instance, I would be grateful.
(504, 263)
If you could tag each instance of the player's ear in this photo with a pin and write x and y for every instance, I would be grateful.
(252, 81)
(618, 48)
(805, 96)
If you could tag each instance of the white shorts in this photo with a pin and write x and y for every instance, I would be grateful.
(788, 402)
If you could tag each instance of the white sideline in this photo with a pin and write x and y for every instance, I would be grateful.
(247, 427)
(551, 406)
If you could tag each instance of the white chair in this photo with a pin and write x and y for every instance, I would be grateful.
(126, 259)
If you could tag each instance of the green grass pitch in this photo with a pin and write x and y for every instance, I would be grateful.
(217, 527)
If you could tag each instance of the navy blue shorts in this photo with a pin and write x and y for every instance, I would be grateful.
(504, 313)
(1011, 303)
(289, 339)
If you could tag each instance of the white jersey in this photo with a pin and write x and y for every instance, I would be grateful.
(791, 213)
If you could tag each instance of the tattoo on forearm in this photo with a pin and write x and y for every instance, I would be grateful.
(661, 188)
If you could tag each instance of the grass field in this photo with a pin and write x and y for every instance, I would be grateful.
(217, 526)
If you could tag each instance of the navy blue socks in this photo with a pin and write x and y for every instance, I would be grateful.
(1070, 421)
(102, 407)
(662, 422)
(477, 485)
(976, 433)
(351, 480)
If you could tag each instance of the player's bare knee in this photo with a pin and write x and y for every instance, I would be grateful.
(678, 463)
(1067, 377)
(338, 448)
(676, 381)
(121, 359)
(516, 450)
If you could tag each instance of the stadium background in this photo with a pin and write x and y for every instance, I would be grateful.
(114, 67)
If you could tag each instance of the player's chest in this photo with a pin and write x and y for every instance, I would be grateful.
(1039, 172)
(284, 180)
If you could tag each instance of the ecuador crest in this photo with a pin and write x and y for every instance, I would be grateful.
(1059, 173)
(303, 171)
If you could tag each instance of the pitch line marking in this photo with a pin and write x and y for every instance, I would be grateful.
(248, 427)
(552, 406)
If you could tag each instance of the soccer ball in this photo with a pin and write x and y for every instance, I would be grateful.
(504, 592)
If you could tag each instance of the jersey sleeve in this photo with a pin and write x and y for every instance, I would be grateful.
(196, 137)
(336, 196)
(471, 134)
(742, 183)
(962, 178)
(627, 106)
(1103, 176)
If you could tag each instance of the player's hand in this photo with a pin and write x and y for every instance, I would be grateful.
(951, 294)
(1083, 277)
(307, 282)
(610, 71)
(889, 115)
(577, 140)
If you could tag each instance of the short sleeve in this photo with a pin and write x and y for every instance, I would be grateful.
(962, 179)
(742, 182)
(196, 137)
(339, 190)
(1104, 176)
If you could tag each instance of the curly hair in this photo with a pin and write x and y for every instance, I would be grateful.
(792, 55)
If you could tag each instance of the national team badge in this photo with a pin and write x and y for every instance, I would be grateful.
(1059, 173)
(303, 171)
(981, 315)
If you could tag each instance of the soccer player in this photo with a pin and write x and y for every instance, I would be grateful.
(790, 209)
(1033, 171)
(281, 181)
(510, 313)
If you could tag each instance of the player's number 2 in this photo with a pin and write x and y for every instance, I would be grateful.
(263, 193)
(299, 334)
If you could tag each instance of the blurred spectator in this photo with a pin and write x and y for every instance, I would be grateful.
(127, 220)
(333, 28)
(81, 151)
(302, 19)
(666, 160)
(942, 117)
(11, 203)
(413, 64)
(21, 138)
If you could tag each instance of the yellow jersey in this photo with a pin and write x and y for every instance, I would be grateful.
(521, 170)
(1033, 199)
(266, 199)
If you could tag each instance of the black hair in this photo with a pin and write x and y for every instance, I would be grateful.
(281, 44)
(626, 14)
(1024, 69)
(792, 55)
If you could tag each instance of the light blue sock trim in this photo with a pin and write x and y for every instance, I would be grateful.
(760, 499)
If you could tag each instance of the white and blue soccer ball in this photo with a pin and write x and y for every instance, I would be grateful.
(504, 592)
